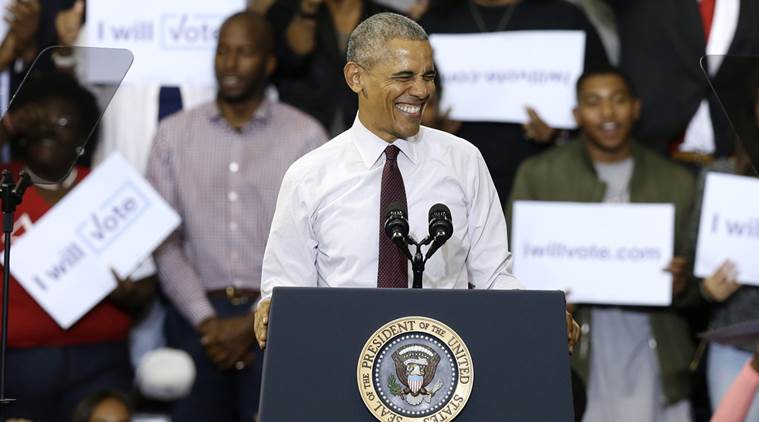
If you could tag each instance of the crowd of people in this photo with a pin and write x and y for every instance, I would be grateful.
(317, 112)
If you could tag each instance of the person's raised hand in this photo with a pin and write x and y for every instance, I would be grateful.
(722, 283)
(309, 7)
(23, 17)
(68, 23)
(537, 129)
(418, 9)
(677, 267)
(446, 124)
(573, 332)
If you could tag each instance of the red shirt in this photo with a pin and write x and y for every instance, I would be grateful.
(28, 324)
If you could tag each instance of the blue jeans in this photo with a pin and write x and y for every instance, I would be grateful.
(217, 395)
(725, 362)
(48, 382)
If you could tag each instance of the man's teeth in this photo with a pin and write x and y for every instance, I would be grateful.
(409, 108)
(609, 126)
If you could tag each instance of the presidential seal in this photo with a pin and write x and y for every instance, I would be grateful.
(415, 369)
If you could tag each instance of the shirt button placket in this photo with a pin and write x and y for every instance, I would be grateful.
(234, 240)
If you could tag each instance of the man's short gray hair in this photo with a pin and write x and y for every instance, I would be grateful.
(368, 41)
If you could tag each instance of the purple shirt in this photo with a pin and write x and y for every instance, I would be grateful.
(224, 184)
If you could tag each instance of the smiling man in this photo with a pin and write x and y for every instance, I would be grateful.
(220, 166)
(634, 359)
(328, 225)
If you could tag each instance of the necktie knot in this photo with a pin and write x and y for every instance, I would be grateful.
(391, 152)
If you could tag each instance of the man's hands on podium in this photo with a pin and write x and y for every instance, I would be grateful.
(261, 324)
(227, 341)
(573, 331)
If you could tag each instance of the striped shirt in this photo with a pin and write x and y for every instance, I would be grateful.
(223, 183)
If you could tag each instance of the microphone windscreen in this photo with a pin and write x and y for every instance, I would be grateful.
(439, 211)
(395, 208)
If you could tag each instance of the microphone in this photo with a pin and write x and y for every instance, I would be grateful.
(441, 227)
(396, 226)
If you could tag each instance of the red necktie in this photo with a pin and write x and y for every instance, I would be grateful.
(392, 266)
(707, 15)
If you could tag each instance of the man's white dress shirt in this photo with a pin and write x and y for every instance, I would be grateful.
(326, 224)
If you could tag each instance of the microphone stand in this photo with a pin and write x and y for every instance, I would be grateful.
(418, 261)
(397, 229)
(11, 193)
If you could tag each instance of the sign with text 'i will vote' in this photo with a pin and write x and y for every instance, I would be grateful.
(112, 220)
(173, 41)
(729, 226)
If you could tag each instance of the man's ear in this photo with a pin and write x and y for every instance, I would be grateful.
(271, 65)
(353, 74)
(576, 114)
(636, 108)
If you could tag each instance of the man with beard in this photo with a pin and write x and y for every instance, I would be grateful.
(633, 359)
(220, 166)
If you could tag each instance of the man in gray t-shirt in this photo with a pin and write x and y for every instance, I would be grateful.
(633, 359)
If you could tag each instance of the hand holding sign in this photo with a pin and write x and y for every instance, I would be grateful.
(676, 267)
(722, 283)
(133, 296)
(23, 19)
(112, 219)
(68, 22)
(536, 129)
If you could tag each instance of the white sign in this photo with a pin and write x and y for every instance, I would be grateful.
(4, 27)
(112, 220)
(600, 253)
(729, 226)
(494, 76)
(173, 41)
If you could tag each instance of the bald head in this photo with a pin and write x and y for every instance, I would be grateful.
(244, 57)
(258, 28)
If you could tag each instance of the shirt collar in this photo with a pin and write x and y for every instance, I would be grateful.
(261, 115)
(371, 147)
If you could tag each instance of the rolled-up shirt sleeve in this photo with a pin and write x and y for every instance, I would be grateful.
(177, 275)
